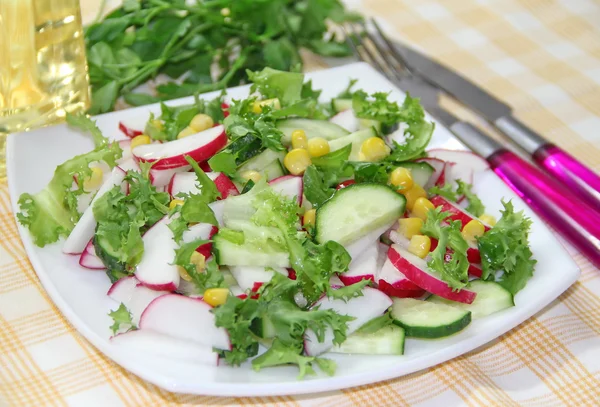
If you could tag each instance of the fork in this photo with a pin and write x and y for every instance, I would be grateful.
(576, 221)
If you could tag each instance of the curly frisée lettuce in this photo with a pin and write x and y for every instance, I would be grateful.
(52, 213)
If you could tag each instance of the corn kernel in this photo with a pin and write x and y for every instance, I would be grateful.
(421, 207)
(412, 195)
(140, 140)
(258, 105)
(199, 261)
(174, 203)
(299, 139)
(201, 122)
(94, 180)
(488, 219)
(310, 217)
(184, 274)
(296, 161)
(188, 131)
(225, 11)
(401, 177)
(216, 296)
(410, 226)
(472, 230)
(374, 149)
(251, 175)
(419, 245)
(318, 147)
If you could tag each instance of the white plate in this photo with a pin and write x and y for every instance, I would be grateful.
(81, 294)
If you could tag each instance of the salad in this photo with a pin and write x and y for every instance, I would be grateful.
(277, 228)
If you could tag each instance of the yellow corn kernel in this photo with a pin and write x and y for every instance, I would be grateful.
(296, 161)
(201, 122)
(140, 140)
(225, 11)
(199, 261)
(401, 177)
(412, 195)
(251, 175)
(216, 296)
(318, 147)
(472, 230)
(94, 180)
(188, 131)
(258, 105)
(183, 273)
(374, 149)
(488, 219)
(175, 202)
(420, 245)
(410, 226)
(310, 217)
(299, 139)
(158, 124)
(421, 207)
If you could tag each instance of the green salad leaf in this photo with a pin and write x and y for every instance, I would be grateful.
(121, 320)
(505, 248)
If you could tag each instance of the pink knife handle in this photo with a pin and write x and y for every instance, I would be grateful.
(582, 181)
(576, 221)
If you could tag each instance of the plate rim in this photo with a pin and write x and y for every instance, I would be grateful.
(315, 385)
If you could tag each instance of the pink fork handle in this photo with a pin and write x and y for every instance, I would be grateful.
(577, 222)
(582, 181)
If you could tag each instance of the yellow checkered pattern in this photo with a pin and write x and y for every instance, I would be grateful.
(542, 57)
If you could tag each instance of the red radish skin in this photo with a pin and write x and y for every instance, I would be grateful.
(225, 108)
(89, 259)
(129, 132)
(290, 186)
(200, 147)
(415, 269)
(363, 267)
(204, 166)
(456, 212)
(392, 291)
(390, 276)
(475, 270)
(184, 318)
(291, 274)
(344, 184)
(225, 186)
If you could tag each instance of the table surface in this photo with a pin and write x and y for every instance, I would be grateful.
(540, 56)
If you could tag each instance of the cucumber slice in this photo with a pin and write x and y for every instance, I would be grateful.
(356, 139)
(339, 105)
(263, 328)
(312, 128)
(108, 256)
(356, 210)
(388, 340)
(421, 172)
(273, 170)
(249, 254)
(423, 319)
(261, 160)
(491, 297)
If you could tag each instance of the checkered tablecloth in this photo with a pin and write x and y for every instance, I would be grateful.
(540, 56)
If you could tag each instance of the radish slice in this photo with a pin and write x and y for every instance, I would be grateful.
(156, 270)
(363, 267)
(439, 169)
(396, 136)
(200, 146)
(133, 126)
(371, 304)
(347, 120)
(456, 212)
(289, 186)
(130, 292)
(465, 159)
(392, 291)
(184, 318)
(251, 278)
(475, 270)
(225, 109)
(84, 229)
(129, 165)
(416, 270)
(149, 342)
(356, 248)
(201, 231)
(187, 183)
(218, 208)
(391, 280)
(162, 178)
(126, 147)
(89, 259)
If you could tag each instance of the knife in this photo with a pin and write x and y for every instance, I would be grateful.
(577, 222)
(583, 182)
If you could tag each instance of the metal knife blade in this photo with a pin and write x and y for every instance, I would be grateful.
(461, 88)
